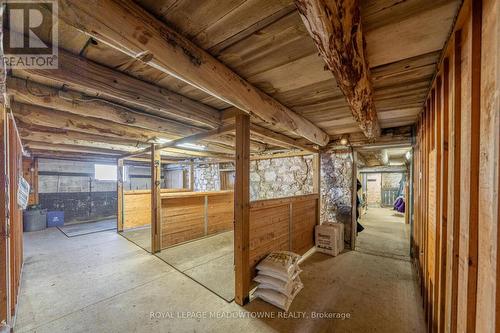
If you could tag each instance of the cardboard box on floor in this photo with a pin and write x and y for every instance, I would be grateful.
(330, 238)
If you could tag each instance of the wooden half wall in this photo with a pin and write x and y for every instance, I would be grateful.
(192, 215)
(282, 224)
(137, 207)
(185, 215)
(456, 180)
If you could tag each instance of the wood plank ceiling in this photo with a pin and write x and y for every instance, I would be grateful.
(267, 44)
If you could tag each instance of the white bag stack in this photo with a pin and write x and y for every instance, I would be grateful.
(278, 278)
(330, 238)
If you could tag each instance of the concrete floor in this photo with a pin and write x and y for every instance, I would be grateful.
(209, 261)
(139, 236)
(385, 234)
(104, 283)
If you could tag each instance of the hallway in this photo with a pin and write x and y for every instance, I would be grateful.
(102, 282)
(385, 234)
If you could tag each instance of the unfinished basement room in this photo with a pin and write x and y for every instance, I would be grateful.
(250, 166)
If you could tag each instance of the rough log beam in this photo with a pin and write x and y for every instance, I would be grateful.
(90, 106)
(172, 152)
(88, 77)
(33, 93)
(39, 116)
(61, 136)
(189, 139)
(280, 139)
(146, 38)
(335, 26)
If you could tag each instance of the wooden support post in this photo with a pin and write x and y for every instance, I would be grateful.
(354, 211)
(437, 212)
(317, 183)
(34, 180)
(4, 220)
(119, 194)
(475, 130)
(155, 200)
(242, 210)
(191, 176)
(444, 196)
(457, 176)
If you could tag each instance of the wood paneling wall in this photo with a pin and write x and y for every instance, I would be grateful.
(185, 215)
(16, 214)
(4, 218)
(137, 207)
(192, 215)
(282, 224)
(11, 251)
(456, 179)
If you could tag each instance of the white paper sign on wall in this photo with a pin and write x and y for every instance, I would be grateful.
(23, 193)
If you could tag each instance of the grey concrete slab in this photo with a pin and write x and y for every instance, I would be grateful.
(53, 282)
(139, 236)
(79, 229)
(217, 275)
(209, 261)
(385, 234)
(198, 252)
(104, 283)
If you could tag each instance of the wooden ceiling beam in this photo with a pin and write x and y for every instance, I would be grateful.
(41, 116)
(94, 108)
(35, 145)
(189, 139)
(280, 139)
(91, 106)
(88, 77)
(125, 26)
(89, 149)
(335, 27)
(64, 137)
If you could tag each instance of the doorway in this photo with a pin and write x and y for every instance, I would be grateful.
(383, 196)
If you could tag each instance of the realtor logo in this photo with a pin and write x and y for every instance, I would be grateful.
(30, 34)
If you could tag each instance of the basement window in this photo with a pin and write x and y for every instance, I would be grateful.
(105, 172)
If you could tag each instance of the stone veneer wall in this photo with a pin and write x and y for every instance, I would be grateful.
(336, 184)
(206, 177)
(281, 177)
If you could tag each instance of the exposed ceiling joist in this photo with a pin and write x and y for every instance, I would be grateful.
(171, 152)
(335, 27)
(83, 105)
(145, 37)
(280, 139)
(94, 108)
(41, 116)
(82, 75)
(44, 134)
(266, 135)
(189, 139)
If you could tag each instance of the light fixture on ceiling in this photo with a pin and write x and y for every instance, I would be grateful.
(162, 140)
(344, 141)
(192, 146)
